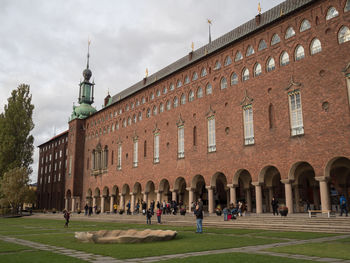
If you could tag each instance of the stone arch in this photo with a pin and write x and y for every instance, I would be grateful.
(96, 202)
(137, 192)
(115, 194)
(305, 187)
(89, 197)
(106, 200)
(150, 191)
(337, 172)
(200, 190)
(220, 191)
(270, 180)
(182, 195)
(164, 190)
(245, 192)
(125, 196)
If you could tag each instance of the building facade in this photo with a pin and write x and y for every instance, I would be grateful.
(52, 172)
(260, 112)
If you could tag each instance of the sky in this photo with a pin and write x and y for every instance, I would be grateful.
(44, 44)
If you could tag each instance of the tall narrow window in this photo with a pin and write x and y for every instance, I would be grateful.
(181, 142)
(119, 162)
(145, 149)
(209, 89)
(168, 105)
(183, 99)
(270, 65)
(257, 70)
(199, 93)
(194, 136)
(135, 157)
(315, 46)
(191, 96)
(344, 35)
(245, 74)
(296, 114)
(299, 53)
(223, 83)
(211, 134)
(284, 59)
(234, 79)
(248, 125)
(203, 72)
(176, 102)
(70, 166)
(156, 148)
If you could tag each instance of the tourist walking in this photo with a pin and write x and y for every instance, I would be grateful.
(199, 218)
(342, 203)
(66, 217)
(149, 216)
(274, 204)
(159, 215)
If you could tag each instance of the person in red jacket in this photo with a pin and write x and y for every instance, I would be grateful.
(159, 215)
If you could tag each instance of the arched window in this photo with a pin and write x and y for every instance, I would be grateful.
(194, 76)
(179, 83)
(194, 136)
(203, 72)
(127, 107)
(183, 99)
(148, 114)
(343, 34)
(228, 61)
(171, 87)
(161, 108)
(117, 126)
(290, 32)
(331, 13)
(223, 83)
(299, 53)
(187, 80)
(129, 121)
(168, 105)
(158, 93)
(165, 90)
(270, 65)
(137, 104)
(134, 118)
(140, 116)
(250, 51)
(245, 74)
(217, 65)
(257, 70)
(209, 89)
(315, 46)
(347, 6)
(191, 96)
(176, 102)
(262, 45)
(199, 92)
(238, 56)
(151, 96)
(234, 79)
(154, 110)
(143, 100)
(305, 25)
(284, 59)
(275, 39)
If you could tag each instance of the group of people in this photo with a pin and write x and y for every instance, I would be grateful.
(233, 211)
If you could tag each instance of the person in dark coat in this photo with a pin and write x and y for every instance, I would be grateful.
(199, 218)
(66, 216)
(149, 216)
(274, 204)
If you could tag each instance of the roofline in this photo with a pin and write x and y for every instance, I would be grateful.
(53, 138)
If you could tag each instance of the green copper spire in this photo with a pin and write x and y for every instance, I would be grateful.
(86, 94)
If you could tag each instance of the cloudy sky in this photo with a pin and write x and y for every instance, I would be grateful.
(44, 44)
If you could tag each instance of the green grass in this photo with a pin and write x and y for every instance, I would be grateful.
(335, 249)
(52, 232)
(234, 257)
(38, 257)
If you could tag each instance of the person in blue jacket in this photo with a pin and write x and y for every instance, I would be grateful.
(342, 203)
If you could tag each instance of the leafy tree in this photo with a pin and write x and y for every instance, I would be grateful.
(16, 143)
(14, 188)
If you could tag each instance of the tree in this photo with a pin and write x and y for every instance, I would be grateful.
(14, 188)
(16, 143)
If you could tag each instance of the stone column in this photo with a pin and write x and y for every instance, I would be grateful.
(102, 204)
(94, 204)
(248, 199)
(190, 198)
(159, 193)
(111, 203)
(270, 198)
(297, 199)
(210, 199)
(66, 204)
(324, 192)
(132, 202)
(289, 195)
(122, 202)
(73, 204)
(173, 195)
(233, 199)
(258, 197)
(145, 198)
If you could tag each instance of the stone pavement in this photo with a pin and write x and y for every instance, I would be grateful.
(248, 249)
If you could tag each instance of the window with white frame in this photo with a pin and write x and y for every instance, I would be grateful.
(275, 39)
(305, 25)
(171, 87)
(203, 72)
(191, 96)
(129, 120)
(181, 142)
(217, 65)
(179, 84)
(158, 93)
(176, 102)
(299, 53)
(140, 116)
(290, 32)
(187, 80)
(245, 74)
(155, 110)
(161, 107)
(331, 13)
(168, 105)
(234, 79)
(284, 59)
(223, 83)
(183, 99)
(315, 46)
(148, 113)
(134, 118)
(119, 160)
(208, 89)
(194, 76)
(135, 157)
(199, 92)
(262, 45)
(270, 65)
(228, 61)
(296, 114)
(165, 90)
(248, 125)
(257, 69)
(343, 35)
(250, 51)
(211, 134)
(238, 56)
(156, 148)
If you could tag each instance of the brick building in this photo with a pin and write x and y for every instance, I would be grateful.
(262, 111)
(52, 172)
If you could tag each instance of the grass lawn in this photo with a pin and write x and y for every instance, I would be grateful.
(335, 249)
(37, 257)
(52, 232)
(235, 257)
